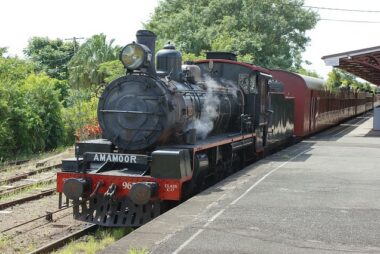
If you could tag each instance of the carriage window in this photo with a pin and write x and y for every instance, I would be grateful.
(253, 84)
(248, 83)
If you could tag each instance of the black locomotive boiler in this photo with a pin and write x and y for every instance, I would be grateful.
(167, 130)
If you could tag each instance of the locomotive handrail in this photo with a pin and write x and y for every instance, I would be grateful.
(129, 112)
(216, 91)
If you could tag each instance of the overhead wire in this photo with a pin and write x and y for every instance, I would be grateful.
(347, 10)
(340, 9)
(352, 21)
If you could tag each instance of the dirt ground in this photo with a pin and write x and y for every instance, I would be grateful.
(14, 170)
(38, 233)
(33, 235)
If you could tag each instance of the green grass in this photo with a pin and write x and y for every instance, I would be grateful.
(7, 245)
(5, 242)
(137, 251)
(93, 243)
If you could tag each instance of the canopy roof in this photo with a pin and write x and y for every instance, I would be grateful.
(364, 63)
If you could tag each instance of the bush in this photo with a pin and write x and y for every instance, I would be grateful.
(80, 117)
(30, 115)
(7, 142)
(45, 111)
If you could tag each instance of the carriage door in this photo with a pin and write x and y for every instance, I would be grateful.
(262, 107)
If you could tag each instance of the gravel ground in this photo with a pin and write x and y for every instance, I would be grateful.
(45, 176)
(27, 193)
(38, 233)
(8, 171)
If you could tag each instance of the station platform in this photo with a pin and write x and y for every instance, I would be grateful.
(321, 195)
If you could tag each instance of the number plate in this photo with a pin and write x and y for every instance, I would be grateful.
(116, 157)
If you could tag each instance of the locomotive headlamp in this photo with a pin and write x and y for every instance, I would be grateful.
(135, 56)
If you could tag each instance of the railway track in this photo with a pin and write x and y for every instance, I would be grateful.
(25, 231)
(12, 163)
(48, 216)
(64, 240)
(28, 198)
(16, 178)
(14, 189)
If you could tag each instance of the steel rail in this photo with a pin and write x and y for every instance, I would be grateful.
(32, 220)
(25, 175)
(24, 186)
(11, 163)
(27, 199)
(64, 240)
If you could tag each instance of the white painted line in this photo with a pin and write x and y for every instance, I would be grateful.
(198, 232)
(213, 218)
(265, 176)
(215, 202)
(188, 241)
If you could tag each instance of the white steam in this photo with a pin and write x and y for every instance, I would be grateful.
(231, 87)
(210, 111)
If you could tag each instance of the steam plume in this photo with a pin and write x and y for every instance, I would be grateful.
(210, 111)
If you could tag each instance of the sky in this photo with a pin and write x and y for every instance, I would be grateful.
(120, 19)
(329, 37)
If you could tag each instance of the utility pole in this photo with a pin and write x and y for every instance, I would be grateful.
(74, 39)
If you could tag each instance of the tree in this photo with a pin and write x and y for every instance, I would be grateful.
(7, 141)
(13, 72)
(111, 70)
(44, 112)
(30, 109)
(269, 33)
(310, 73)
(83, 67)
(340, 79)
(3, 50)
(50, 56)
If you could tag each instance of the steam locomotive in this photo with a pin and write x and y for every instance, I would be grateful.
(169, 129)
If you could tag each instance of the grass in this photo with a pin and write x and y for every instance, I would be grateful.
(8, 246)
(137, 251)
(93, 243)
(5, 242)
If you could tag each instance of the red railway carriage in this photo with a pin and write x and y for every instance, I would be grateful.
(315, 108)
(300, 88)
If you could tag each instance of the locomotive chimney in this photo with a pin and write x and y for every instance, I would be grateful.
(148, 39)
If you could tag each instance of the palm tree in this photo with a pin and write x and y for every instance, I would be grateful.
(83, 67)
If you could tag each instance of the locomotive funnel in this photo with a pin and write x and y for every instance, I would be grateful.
(148, 39)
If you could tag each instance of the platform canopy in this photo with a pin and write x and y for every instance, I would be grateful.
(364, 63)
